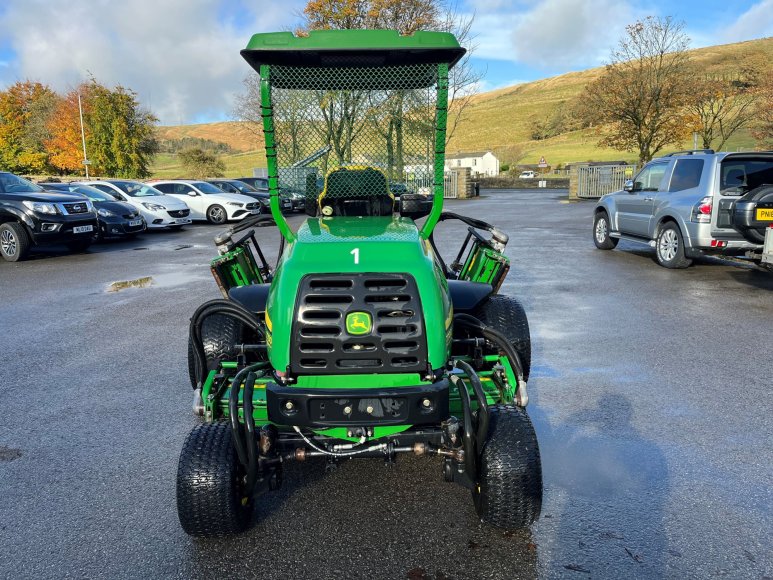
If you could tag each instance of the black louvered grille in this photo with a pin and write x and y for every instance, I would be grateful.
(78, 207)
(178, 213)
(395, 343)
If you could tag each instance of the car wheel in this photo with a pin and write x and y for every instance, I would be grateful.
(15, 242)
(505, 314)
(509, 490)
(601, 235)
(669, 247)
(216, 214)
(211, 499)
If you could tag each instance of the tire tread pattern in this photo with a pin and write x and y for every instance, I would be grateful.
(510, 483)
(505, 314)
(208, 477)
(220, 335)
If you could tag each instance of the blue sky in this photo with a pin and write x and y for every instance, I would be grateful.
(181, 56)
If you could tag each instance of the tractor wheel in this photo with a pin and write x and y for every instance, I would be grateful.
(601, 232)
(210, 484)
(509, 490)
(505, 314)
(220, 335)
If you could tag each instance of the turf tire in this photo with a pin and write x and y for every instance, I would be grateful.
(509, 491)
(220, 335)
(505, 314)
(210, 483)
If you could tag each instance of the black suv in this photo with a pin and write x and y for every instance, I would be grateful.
(30, 216)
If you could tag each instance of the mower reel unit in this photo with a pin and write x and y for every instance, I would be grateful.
(361, 342)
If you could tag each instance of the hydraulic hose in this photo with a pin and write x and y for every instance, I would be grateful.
(468, 441)
(233, 410)
(480, 395)
(314, 446)
(226, 308)
(249, 427)
(494, 336)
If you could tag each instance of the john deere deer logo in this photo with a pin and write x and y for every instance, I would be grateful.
(358, 323)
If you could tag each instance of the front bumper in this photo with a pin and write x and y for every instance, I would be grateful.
(46, 229)
(119, 227)
(314, 407)
(240, 214)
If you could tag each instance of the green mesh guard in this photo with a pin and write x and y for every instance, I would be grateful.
(350, 137)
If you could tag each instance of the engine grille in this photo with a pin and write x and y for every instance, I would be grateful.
(178, 213)
(252, 205)
(77, 207)
(396, 342)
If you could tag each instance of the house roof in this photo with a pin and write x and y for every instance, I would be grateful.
(466, 155)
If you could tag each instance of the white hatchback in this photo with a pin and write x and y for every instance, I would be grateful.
(208, 202)
(159, 210)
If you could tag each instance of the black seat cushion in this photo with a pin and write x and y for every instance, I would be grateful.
(466, 295)
(253, 298)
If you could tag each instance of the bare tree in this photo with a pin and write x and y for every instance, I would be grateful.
(642, 95)
(721, 108)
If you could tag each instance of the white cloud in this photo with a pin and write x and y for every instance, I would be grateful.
(551, 33)
(180, 57)
(756, 22)
(559, 33)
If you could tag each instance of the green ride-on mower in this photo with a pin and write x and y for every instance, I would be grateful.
(361, 342)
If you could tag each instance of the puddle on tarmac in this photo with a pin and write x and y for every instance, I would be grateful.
(143, 282)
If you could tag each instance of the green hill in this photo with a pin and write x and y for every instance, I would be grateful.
(498, 120)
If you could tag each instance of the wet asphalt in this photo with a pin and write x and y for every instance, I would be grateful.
(650, 393)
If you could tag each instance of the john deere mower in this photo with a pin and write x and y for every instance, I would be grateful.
(359, 341)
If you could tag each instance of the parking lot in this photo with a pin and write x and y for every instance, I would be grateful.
(650, 393)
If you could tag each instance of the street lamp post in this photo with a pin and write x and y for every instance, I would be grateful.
(86, 161)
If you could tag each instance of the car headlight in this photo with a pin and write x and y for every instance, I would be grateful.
(234, 203)
(153, 206)
(105, 213)
(41, 207)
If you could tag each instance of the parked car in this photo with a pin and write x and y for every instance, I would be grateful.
(397, 188)
(116, 219)
(527, 175)
(31, 216)
(236, 186)
(208, 202)
(684, 205)
(158, 210)
(290, 200)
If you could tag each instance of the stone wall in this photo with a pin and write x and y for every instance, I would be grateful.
(508, 182)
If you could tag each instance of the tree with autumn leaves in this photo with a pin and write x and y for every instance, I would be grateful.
(40, 131)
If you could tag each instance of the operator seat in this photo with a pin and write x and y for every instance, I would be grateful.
(356, 191)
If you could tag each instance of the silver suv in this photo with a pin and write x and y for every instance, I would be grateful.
(683, 205)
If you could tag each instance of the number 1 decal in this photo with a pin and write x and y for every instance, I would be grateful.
(356, 253)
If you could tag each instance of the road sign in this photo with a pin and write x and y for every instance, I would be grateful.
(542, 162)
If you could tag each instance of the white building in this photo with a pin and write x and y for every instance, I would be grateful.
(479, 162)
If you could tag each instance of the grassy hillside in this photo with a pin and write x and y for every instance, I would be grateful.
(498, 120)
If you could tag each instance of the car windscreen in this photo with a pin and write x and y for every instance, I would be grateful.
(136, 189)
(739, 175)
(91, 192)
(10, 183)
(243, 187)
(205, 187)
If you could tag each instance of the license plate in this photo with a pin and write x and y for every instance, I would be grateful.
(764, 214)
(82, 229)
(135, 223)
(254, 211)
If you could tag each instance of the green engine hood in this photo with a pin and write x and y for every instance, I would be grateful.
(341, 245)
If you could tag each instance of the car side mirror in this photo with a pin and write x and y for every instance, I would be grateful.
(628, 186)
(192, 193)
(415, 205)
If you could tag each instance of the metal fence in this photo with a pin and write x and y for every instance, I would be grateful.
(593, 182)
(450, 185)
